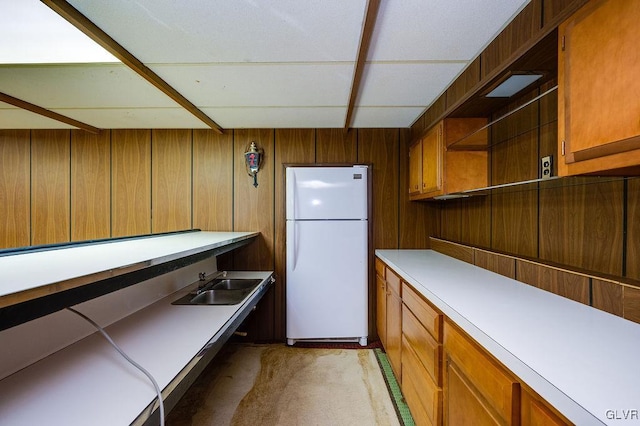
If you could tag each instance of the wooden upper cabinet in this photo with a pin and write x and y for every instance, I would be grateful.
(415, 168)
(598, 89)
(453, 159)
(432, 161)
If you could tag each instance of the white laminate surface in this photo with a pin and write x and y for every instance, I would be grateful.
(27, 271)
(581, 360)
(90, 383)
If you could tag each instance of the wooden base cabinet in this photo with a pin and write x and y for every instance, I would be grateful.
(598, 86)
(477, 390)
(446, 377)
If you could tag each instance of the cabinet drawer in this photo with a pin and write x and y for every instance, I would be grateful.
(393, 281)
(493, 382)
(380, 268)
(422, 344)
(427, 315)
(423, 396)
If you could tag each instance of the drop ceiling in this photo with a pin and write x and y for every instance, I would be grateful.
(252, 63)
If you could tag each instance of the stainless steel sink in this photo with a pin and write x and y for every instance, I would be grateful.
(234, 284)
(220, 291)
(219, 297)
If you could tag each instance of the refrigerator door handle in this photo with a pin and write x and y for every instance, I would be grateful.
(292, 255)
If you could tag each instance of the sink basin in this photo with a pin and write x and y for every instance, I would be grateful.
(233, 284)
(219, 297)
(220, 291)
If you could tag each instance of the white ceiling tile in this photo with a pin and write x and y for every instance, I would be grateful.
(237, 118)
(166, 31)
(405, 84)
(135, 118)
(80, 86)
(438, 30)
(267, 63)
(261, 84)
(33, 33)
(16, 118)
(385, 117)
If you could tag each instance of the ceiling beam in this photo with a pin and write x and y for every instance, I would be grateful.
(47, 113)
(68, 12)
(371, 15)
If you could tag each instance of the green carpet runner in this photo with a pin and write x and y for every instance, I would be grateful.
(394, 389)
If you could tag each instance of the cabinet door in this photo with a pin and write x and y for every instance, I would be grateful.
(536, 412)
(415, 168)
(394, 331)
(432, 160)
(381, 311)
(598, 86)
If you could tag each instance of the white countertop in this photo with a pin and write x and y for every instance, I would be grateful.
(62, 268)
(581, 360)
(90, 383)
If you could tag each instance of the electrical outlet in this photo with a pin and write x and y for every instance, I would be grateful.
(545, 166)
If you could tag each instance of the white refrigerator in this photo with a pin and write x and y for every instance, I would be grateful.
(327, 254)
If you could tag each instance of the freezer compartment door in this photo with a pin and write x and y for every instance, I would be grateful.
(326, 279)
(326, 193)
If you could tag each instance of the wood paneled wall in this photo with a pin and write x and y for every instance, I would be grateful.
(60, 185)
(586, 223)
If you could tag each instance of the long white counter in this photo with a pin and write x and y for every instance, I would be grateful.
(55, 369)
(90, 383)
(581, 360)
(34, 274)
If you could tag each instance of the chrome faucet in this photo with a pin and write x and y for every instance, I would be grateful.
(203, 281)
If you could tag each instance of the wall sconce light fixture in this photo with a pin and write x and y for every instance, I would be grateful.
(253, 161)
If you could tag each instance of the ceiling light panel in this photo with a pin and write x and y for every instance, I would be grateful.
(261, 84)
(38, 35)
(406, 84)
(438, 30)
(512, 85)
(203, 31)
